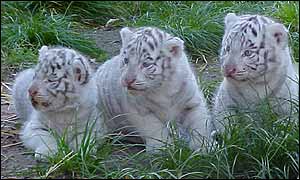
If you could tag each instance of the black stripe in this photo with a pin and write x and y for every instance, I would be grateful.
(262, 44)
(41, 128)
(252, 45)
(243, 40)
(254, 32)
(243, 26)
(253, 18)
(64, 62)
(139, 47)
(266, 55)
(66, 86)
(57, 84)
(151, 46)
(154, 39)
(52, 68)
(160, 36)
(129, 46)
(52, 93)
(58, 66)
(86, 71)
(157, 59)
(61, 54)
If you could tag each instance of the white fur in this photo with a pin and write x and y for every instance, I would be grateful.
(149, 112)
(280, 80)
(72, 118)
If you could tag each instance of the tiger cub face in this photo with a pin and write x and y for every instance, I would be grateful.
(149, 56)
(59, 75)
(251, 46)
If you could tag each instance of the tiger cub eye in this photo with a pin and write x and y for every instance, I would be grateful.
(247, 53)
(227, 49)
(126, 60)
(146, 64)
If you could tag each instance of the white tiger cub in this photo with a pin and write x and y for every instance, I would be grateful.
(59, 93)
(257, 65)
(150, 83)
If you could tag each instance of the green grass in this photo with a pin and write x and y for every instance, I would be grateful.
(96, 14)
(28, 25)
(200, 24)
(25, 30)
(262, 145)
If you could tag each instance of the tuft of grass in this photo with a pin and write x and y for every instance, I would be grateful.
(201, 24)
(97, 13)
(24, 31)
(258, 144)
(288, 13)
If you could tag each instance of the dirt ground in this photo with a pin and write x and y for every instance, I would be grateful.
(17, 161)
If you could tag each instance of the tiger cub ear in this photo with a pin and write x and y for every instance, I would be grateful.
(42, 52)
(80, 71)
(174, 47)
(43, 49)
(230, 19)
(277, 34)
(126, 35)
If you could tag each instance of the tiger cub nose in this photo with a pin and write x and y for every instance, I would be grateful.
(32, 91)
(128, 82)
(229, 70)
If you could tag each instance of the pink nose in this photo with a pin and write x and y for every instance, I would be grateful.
(229, 70)
(32, 91)
(128, 82)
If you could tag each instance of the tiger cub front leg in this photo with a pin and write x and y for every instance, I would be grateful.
(153, 131)
(197, 120)
(37, 137)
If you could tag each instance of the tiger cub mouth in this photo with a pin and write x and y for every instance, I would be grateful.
(134, 89)
(36, 103)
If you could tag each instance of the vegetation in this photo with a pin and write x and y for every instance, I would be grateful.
(260, 145)
(28, 25)
(24, 30)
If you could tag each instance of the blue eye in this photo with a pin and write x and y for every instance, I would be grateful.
(149, 58)
(227, 49)
(52, 77)
(126, 60)
(247, 53)
(54, 84)
(145, 64)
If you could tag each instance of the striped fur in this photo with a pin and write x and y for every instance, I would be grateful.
(164, 88)
(65, 99)
(257, 48)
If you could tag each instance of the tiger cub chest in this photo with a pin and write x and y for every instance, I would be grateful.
(162, 107)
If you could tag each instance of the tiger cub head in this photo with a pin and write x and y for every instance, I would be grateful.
(252, 46)
(149, 56)
(59, 76)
